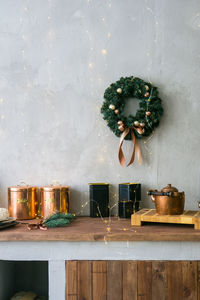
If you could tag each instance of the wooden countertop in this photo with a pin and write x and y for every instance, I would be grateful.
(94, 229)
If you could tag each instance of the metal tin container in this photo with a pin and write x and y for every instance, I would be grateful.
(22, 202)
(130, 192)
(129, 198)
(99, 200)
(125, 209)
(54, 199)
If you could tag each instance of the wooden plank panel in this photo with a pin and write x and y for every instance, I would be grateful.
(99, 277)
(198, 280)
(189, 271)
(114, 280)
(71, 280)
(99, 266)
(84, 280)
(175, 280)
(159, 280)
(144, 282)
(130, 280)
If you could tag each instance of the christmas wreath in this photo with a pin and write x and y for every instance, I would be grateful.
(147, 116)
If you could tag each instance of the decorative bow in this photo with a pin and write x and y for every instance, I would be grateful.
(136, 147)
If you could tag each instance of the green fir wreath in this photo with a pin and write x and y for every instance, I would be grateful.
(148, 114)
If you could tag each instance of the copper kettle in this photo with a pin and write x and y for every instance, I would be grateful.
(169, 201)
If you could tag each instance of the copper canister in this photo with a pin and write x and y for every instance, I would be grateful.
(22, 202)
(54, 199)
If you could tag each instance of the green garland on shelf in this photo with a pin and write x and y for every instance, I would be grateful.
(59, 220)
(148, 114)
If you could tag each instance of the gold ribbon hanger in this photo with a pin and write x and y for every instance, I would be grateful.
(136, 147)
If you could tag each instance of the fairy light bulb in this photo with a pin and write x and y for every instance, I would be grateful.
(104, 51)
(91, 66)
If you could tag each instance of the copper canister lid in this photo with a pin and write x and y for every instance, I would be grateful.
(51, 188)
(129, 183)
(98, 183)
(18, 188)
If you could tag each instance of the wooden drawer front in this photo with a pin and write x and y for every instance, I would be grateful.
(132, 280)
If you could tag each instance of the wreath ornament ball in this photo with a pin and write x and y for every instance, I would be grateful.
(136, 126)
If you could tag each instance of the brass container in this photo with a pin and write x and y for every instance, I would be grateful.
(169, 201)
(54, 199)
(22, 202)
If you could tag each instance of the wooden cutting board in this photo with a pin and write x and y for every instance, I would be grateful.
(149, 215)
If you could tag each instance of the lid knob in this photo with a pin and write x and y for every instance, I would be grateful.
(169, 188)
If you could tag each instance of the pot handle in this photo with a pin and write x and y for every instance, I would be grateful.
(153, 198)
(151, 193)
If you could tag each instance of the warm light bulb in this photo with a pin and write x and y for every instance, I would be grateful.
(91, 65)
(104, 51)
(108, 229)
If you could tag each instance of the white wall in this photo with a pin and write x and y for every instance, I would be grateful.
(50, 124)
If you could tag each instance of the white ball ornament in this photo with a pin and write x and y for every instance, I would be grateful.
(119, 90)
(120, 122)
(112, 107)
(136, 123)
(146, 94)
(146, 87)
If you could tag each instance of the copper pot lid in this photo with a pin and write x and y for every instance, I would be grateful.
(22, 188)
(51, 188)
(169, 188)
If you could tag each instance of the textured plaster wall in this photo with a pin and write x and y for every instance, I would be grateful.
(53, 74)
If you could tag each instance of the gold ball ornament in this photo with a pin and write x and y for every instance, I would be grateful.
(116, 111)
(148, 113)
(121, 128)
(112, 107)
(146, 94)
(142, 124)
(146, 87)
(136, 123)
(120, 122)
(119, 90)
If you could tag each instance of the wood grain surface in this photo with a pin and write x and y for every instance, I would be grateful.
(149, 215)
(135, 280)
(94, 229)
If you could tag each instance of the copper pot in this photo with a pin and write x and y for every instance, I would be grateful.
(54, 199)
(169, 201)
(22, 202)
